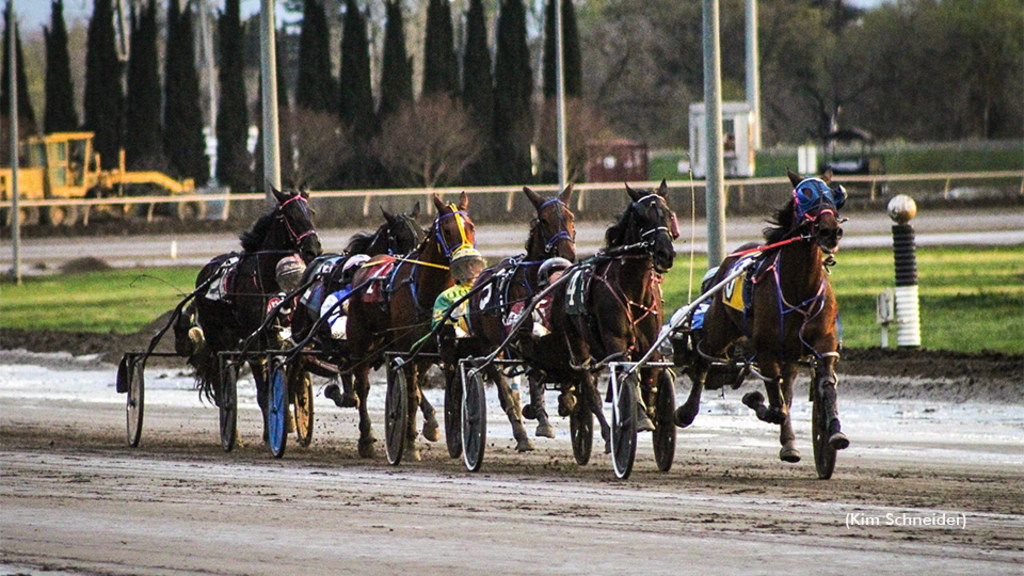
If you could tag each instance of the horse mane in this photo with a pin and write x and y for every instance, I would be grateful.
(780, 224)
(533, 230)
(253, 239)
(361, 241)
(616, 235)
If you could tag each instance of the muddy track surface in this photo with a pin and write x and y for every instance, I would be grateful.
(931, 489)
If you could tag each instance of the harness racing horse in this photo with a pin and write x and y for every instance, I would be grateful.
(394, 312)
(234, 292)
(789, 316)
(328, 274)
(514, 281)
(608, 309)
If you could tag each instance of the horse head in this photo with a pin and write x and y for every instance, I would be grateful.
(293, 213)
(453, 230)
(816, 205)
(653, 225)
(553, 231)
(402, 231)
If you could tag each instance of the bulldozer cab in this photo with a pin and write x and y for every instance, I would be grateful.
(67, 159)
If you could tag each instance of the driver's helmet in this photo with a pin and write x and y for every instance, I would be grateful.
(351, 266)
(550, 266)
(288, 272)
(467, 263)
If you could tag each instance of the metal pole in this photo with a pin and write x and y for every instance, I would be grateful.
(12, 63)
(207, 33)
(714, 185)
(563, 174)
(268, 66)
(754, 71)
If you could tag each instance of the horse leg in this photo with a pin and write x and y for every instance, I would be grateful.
(511, 404)
(593, 396)
(788, 453)
(346, 399)
(259, 374)
(644, 422)
(367, 439)
(412, 452)
(536, 410)
(431, 431)
(826, 381)
(685, 414)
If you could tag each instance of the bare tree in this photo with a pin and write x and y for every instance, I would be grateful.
(321, 145)
(584, 125)
(428, 144)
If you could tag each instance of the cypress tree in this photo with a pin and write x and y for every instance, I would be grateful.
(184, 144)
(60, 115)
(396, 77)
(314, 88)
(104, 99)
(26, 115)
(356, 95)
(232, 116)
(513, 88)
(571, 58)
(478, 90)
(143, 139)
(440, 67)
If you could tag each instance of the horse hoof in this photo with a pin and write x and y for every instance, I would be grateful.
(367, 448)
(524, 445)
(431, 431)
(544, 430)
(839, 441)
(775, 416)
(684, 416)
(789, 454)
(566, 404)
(349, 400)
(753, 400)
(290, 424)
(529, 412)
(644, 422)
(411, 454)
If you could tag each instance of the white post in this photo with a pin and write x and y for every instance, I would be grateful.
(563, 175)
(268, 65)
(714, 185)
(12, 63)
(753, 71)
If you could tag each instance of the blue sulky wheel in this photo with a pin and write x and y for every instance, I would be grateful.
(624, 408)
(277, 407)
(664, 425)
(396, 414)
(227, 404)
(474, 419)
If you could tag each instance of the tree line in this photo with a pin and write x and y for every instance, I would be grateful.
(471, 106)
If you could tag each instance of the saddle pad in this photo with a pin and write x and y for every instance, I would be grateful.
(376, 271)
(219, 286)
(576, 289)
(735, 293)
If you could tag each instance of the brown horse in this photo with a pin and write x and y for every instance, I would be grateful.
(789, 316)
(515, 280)
(608, 309)
(394, 313)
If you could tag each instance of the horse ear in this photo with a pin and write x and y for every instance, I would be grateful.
(794, 177)
(415, 211)
(633, 193)
(438, 203)
(281, 196)
(663, 189)
(304, 190)
(387, 215)
(827, 177)
(463, 201)
(566, 194)
(534, 197)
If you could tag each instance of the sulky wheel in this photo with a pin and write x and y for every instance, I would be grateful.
(396, 414)
(136, 389)
(624, 408)
(227, 405)
(581, 429)
(302, 393)
(824, 454)
(664, 426)
(277, 406)
(474, 419)
(453, 411)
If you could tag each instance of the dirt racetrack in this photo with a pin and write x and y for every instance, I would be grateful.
(933, 483)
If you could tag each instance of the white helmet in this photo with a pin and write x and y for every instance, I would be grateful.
(549, 266)
(355, 260)
(289, 272)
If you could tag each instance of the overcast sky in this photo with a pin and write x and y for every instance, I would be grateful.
(34, 14)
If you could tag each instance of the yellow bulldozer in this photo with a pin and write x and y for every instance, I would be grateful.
(64, 166)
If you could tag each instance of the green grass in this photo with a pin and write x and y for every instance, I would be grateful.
(121, 301)
(971, 299)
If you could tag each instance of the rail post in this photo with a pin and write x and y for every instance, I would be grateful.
(902, 210)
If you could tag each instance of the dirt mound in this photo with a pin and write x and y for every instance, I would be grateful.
(87, 264)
